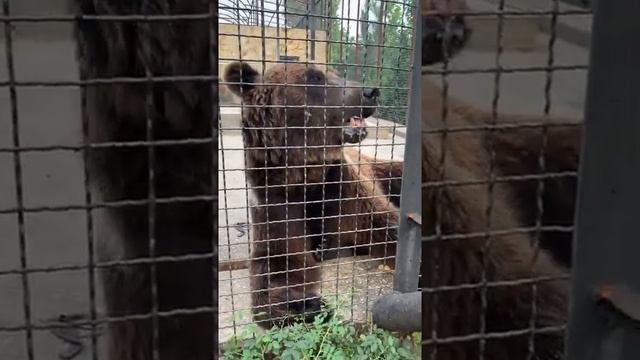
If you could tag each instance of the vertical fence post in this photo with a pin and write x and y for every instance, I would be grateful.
(409, 249)
(401, 310)
(606, 245)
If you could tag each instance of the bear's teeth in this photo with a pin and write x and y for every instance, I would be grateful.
(357, 121)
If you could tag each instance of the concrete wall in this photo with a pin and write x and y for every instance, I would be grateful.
(247, 45)
(251, 43)
(38, 7)
(42, 30)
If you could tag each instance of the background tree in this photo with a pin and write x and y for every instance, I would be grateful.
(379, 54)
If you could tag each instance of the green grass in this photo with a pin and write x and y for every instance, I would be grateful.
(334, 339)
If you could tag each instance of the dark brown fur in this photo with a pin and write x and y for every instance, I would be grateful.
(517, 151)
(118, 113)
(338, 213)
(462, 210)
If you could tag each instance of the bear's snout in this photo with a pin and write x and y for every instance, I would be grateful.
(369, 101)
(371, 93)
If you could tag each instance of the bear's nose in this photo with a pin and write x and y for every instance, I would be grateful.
(371, 93)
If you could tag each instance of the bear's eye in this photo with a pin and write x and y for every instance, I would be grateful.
(314, 77)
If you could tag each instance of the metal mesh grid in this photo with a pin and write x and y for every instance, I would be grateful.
(486, 324)
(326, 35)
(53, 225)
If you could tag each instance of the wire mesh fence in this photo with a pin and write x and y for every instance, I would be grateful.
(503, 87)
(312, 110)
(291, 164)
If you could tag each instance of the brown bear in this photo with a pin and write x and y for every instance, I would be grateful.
(517, 142)
(504, 284)
(457, 253)
(516, 149)
(308, 188)
(162, 301)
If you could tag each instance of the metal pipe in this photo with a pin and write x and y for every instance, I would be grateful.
(399, 311)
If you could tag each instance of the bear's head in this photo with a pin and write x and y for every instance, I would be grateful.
(302, 108)
(444, 34)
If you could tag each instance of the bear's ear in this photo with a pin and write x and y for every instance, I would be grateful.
(242, 78)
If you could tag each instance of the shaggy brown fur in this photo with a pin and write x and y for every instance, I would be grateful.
(462, 210)
(516, 152)
(387, 174)
(118, 113)
(303, 172)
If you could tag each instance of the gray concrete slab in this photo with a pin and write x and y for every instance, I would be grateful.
(519, 32)
(47, 116)
(523, 92)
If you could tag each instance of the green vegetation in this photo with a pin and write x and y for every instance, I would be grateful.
(327, 338)
(379, 54)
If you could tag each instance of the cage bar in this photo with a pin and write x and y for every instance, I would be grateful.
(409, 231)
(606, 223)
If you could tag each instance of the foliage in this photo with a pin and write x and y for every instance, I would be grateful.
(379, 54)
(326, 338)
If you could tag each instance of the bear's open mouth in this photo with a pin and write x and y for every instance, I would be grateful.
(357, 122)
(356, 131)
